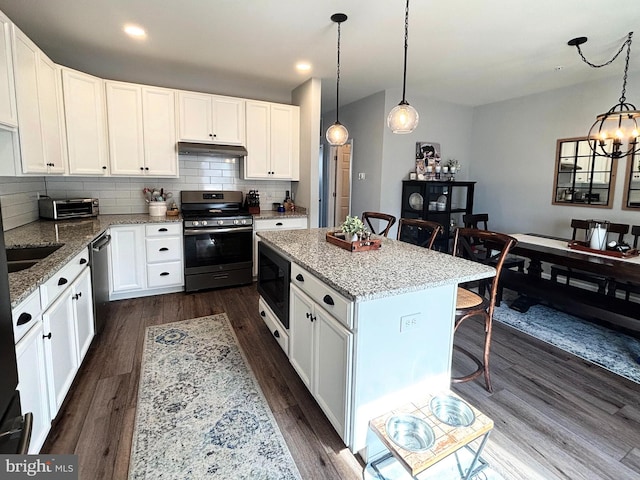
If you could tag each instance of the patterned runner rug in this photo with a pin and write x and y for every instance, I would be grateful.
(608, 348)
(201, 413)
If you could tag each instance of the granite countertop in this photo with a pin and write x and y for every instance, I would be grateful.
(74, 235)
(269, 214)
(396, 268)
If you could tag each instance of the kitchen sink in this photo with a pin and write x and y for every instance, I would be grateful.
(22, 258)
(30, 253)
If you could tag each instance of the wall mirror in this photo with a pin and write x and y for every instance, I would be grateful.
(631, 200)
(581, 177)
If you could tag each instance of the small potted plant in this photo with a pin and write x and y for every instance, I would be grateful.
(453, 165)
(353, 227)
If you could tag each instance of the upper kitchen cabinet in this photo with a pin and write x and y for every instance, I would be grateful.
(211, 118)
(273, 141)
(142, 130)
(86, 123)
(8, 114)
(39, 108)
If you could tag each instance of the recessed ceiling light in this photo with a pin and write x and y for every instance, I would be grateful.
(303, 67)
(135, 31)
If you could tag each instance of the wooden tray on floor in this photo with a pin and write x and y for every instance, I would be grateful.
(582, 246)
(338, 238)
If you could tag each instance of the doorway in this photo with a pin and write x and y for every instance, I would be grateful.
(336, 184)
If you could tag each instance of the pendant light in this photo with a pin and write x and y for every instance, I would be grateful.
(620, 124)
(337, 133)
(403, 118)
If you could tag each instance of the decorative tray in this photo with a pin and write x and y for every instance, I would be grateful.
(338, 238)
(582, 246)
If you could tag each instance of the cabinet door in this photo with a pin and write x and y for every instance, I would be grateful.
(301, 335)
(228, 120)
(257, 163)
(195, 117)
(85, 122)
(83, 309)
(159, 124)
(332, 374)
(51, 116)
(26, 78)
(8, 115)
(284, 141)
(124, 121)
(127, 258)
(60, 349)
(32, 384)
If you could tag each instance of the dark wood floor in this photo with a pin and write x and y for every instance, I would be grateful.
(556, 416)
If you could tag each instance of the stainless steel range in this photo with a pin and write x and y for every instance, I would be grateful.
(218, 239)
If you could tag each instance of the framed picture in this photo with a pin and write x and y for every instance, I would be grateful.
(427, 154)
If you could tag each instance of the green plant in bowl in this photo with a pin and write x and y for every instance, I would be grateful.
(353, 226)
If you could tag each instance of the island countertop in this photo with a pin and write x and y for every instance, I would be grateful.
(396, 268)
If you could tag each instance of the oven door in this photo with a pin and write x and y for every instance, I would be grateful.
(217, 249)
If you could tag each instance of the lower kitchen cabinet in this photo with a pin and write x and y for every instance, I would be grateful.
(81, 294)
(321, 353)
(32, 383)
(145, 260)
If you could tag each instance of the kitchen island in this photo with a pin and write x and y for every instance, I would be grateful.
(368, 330)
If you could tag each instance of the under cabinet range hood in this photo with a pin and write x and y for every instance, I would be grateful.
(212, 149)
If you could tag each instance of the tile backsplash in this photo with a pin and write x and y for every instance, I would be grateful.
(19, 195)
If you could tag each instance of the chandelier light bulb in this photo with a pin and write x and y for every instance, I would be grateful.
(337, 134)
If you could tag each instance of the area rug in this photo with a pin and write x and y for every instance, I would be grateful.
(608, 348)
(201, 413)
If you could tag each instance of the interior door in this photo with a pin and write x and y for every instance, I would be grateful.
(339, 201)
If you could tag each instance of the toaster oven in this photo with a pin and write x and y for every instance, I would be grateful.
(53, 209)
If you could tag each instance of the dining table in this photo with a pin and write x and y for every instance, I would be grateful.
(534, 285)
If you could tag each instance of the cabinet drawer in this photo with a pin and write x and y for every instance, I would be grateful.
(279, 333)
(163, 229)
(280, 224)
(164, 274)
(334, 303)
(164, 249)
(53, 287)
(26, 315)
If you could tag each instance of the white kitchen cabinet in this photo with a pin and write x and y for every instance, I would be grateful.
(278, 223)
(273, 141)
(39, 108)
(32, 383)
(211, 118)
(8, 113)
(145, 260)
(85, 116)
(141, 125)
(81, 294)
(321, 353)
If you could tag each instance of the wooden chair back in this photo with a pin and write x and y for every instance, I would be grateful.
(383, 217)
(418, 232)
(473, 220)
(495, 249)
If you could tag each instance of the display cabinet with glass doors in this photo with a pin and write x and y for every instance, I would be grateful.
(583, 178)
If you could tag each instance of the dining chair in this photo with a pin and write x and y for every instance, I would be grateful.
(628, 287)
(481, 221)
(599, 281)
(418, 232)
(382, 217)
(469, 304)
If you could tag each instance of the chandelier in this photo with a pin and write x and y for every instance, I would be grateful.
(615, 133)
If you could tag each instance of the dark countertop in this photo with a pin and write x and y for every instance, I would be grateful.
(74, 235)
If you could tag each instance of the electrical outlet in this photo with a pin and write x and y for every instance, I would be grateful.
(409, 322)
(361, 176)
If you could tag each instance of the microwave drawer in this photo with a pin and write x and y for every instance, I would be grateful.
(334, 303)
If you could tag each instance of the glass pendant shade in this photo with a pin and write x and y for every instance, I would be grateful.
(337, 134)
(403, 118)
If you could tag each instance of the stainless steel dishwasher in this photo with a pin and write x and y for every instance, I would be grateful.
(99, 259)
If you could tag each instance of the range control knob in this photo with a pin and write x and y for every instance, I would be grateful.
(196, 223)
(244, 222)
(236, 222)
(220, 222)
(204, 222)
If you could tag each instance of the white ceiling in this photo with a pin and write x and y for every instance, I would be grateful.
(470, 52)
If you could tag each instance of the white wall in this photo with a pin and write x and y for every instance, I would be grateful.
(514, 156)
(307, 194)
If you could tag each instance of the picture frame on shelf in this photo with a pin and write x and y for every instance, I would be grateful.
(427, 154)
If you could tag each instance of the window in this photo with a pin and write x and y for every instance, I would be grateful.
(581, 177)
(631, 199)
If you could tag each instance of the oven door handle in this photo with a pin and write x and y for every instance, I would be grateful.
(202, 231)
